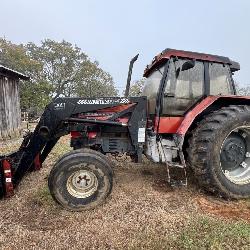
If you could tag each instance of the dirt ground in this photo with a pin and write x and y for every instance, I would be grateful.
(142, 212)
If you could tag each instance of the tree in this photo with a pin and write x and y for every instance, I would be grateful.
(95, 82)
(137, 87)
(35, 95)
(69, 71)
(240, 90)
(56, 69)
(15, 57)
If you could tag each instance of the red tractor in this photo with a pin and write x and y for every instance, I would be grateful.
(188, 115)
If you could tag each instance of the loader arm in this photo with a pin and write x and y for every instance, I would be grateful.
(57, 120)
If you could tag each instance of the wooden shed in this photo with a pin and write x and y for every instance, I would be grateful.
(10, 113)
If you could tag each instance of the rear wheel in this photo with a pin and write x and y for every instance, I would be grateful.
(219, 152)
(81, 180)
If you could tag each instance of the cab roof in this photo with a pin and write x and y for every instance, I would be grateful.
(167, 53)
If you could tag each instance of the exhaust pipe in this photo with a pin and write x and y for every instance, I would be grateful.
(129, 74)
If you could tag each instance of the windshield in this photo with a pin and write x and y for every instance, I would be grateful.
(152, 83)
(151, 88)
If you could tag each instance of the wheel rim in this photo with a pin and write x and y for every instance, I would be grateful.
(82, 184)
(235, 156)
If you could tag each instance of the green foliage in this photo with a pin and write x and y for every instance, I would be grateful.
(57, 69)
(240, 90)
(35, 95)
(137, 87)
(15, 57)
(69, 71)
(95, 82)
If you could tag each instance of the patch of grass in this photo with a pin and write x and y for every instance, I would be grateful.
(199, 233)
(209, 233)
(44, 197)
(61, 148)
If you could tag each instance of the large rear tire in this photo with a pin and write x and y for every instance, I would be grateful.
(81, 180)
(219, 152)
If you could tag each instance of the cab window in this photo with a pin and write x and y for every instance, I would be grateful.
(220, 79)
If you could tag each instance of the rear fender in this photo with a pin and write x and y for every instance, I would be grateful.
(210, 102)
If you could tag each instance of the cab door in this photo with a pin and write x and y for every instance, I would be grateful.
(183, 87)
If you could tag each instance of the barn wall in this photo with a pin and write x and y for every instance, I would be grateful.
(10, 113)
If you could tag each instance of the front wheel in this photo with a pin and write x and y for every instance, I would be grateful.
(81, 180)
(219, 152)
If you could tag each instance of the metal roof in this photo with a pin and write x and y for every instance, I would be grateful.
(10, 72)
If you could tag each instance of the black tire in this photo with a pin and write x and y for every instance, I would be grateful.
(205, 147)
(82, 161)
(76, 151)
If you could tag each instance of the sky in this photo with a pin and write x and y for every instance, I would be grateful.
(113, 31)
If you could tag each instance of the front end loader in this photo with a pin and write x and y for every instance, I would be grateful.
(120, 116)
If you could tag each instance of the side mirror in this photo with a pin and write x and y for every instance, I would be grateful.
(188, 65)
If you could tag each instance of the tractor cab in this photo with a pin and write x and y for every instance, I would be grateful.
(177, 80)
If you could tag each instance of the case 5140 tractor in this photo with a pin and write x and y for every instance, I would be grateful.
(188, 115)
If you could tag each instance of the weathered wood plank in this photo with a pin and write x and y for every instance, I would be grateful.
(10, 113)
